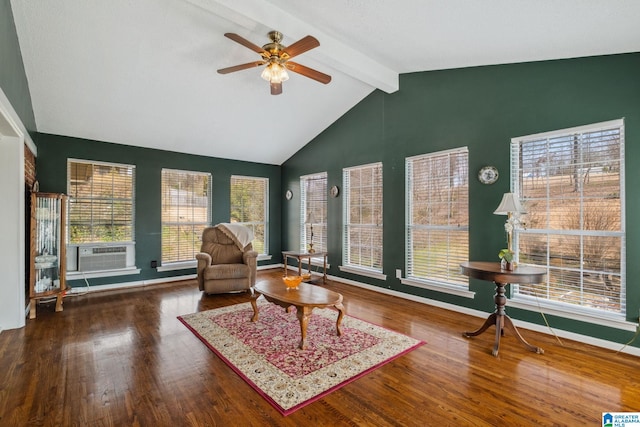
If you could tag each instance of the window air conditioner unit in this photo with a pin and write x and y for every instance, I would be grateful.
(102, 258)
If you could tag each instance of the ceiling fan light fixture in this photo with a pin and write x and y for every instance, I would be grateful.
(276, 58)
(275, 73)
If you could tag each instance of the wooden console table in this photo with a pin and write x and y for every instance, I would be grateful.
(305, 255)
(491, 271)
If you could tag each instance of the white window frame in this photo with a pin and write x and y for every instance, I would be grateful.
(354, 249)
(94, 198)
(265, 212)
(186, 201)
(317, 184)
(448, 279)
(538, 301)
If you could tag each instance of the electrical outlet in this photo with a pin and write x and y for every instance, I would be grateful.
(398, 273)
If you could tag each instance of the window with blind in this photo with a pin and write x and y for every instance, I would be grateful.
(101, 202)
(362, 217)
(571, 184)
(313, 211)
(186, 212)
(249, 207)
(437, 187)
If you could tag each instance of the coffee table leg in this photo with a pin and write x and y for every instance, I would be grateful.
(254, 297)
(303, 316)
(340, 309)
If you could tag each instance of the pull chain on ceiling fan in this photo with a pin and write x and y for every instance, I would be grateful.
(277, 59)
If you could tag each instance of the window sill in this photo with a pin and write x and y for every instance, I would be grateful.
(363, 272)
(569, 312)
(185, 265)
(79, 275)
(440, 287)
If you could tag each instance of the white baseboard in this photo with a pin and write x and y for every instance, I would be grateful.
(269, 266)
(127, 285)
(141, 283)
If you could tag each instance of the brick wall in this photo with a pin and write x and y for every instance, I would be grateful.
(29, 168)
(29, 179)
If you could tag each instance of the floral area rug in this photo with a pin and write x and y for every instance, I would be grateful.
(266, 354)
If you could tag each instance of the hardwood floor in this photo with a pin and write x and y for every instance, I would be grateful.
(122, 358)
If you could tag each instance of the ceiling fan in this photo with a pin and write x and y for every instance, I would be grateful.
(277, 58)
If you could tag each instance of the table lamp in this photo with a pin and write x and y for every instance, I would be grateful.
(510, 206)
(311, 218)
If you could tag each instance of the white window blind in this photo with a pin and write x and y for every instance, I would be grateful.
(313, 210)
(571, 184)
(362, 217)
(437, 238)
(249, 207)
(101, 202)
(186, 211)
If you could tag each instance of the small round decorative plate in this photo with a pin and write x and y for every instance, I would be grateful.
(334, 191)
(288, 194)
(488, 175)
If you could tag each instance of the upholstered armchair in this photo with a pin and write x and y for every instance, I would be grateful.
(227, 261)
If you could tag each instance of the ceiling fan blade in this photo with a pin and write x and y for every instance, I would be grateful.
(276, 88)
(246, 43)
(241, 67)
(301, 46)
(308, 72)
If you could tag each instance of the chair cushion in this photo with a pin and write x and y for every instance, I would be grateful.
(222, 249)
(225, 254)
(227, 271)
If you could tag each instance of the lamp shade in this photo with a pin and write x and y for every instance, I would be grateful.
(311, 218)
(509, 204)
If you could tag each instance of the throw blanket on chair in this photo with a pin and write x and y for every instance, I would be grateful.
(240, 234)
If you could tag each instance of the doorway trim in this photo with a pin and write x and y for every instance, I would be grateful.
(13, 138)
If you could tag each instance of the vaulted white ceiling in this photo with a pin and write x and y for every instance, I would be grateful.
(143, 72)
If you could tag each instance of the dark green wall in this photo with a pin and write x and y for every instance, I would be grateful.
(481, 108)
(13, 79)
(53, 152)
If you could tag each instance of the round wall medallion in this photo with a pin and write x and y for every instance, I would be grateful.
(288, 194)
(488, 175)
(334, 191)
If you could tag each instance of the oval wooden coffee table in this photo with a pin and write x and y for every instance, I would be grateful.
(305, 299)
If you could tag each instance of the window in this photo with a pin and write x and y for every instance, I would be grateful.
(362, 217)
(570, 182)
(101, 202)
(437, 238)
(313, 211)
(186, 212)
(249, 207)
